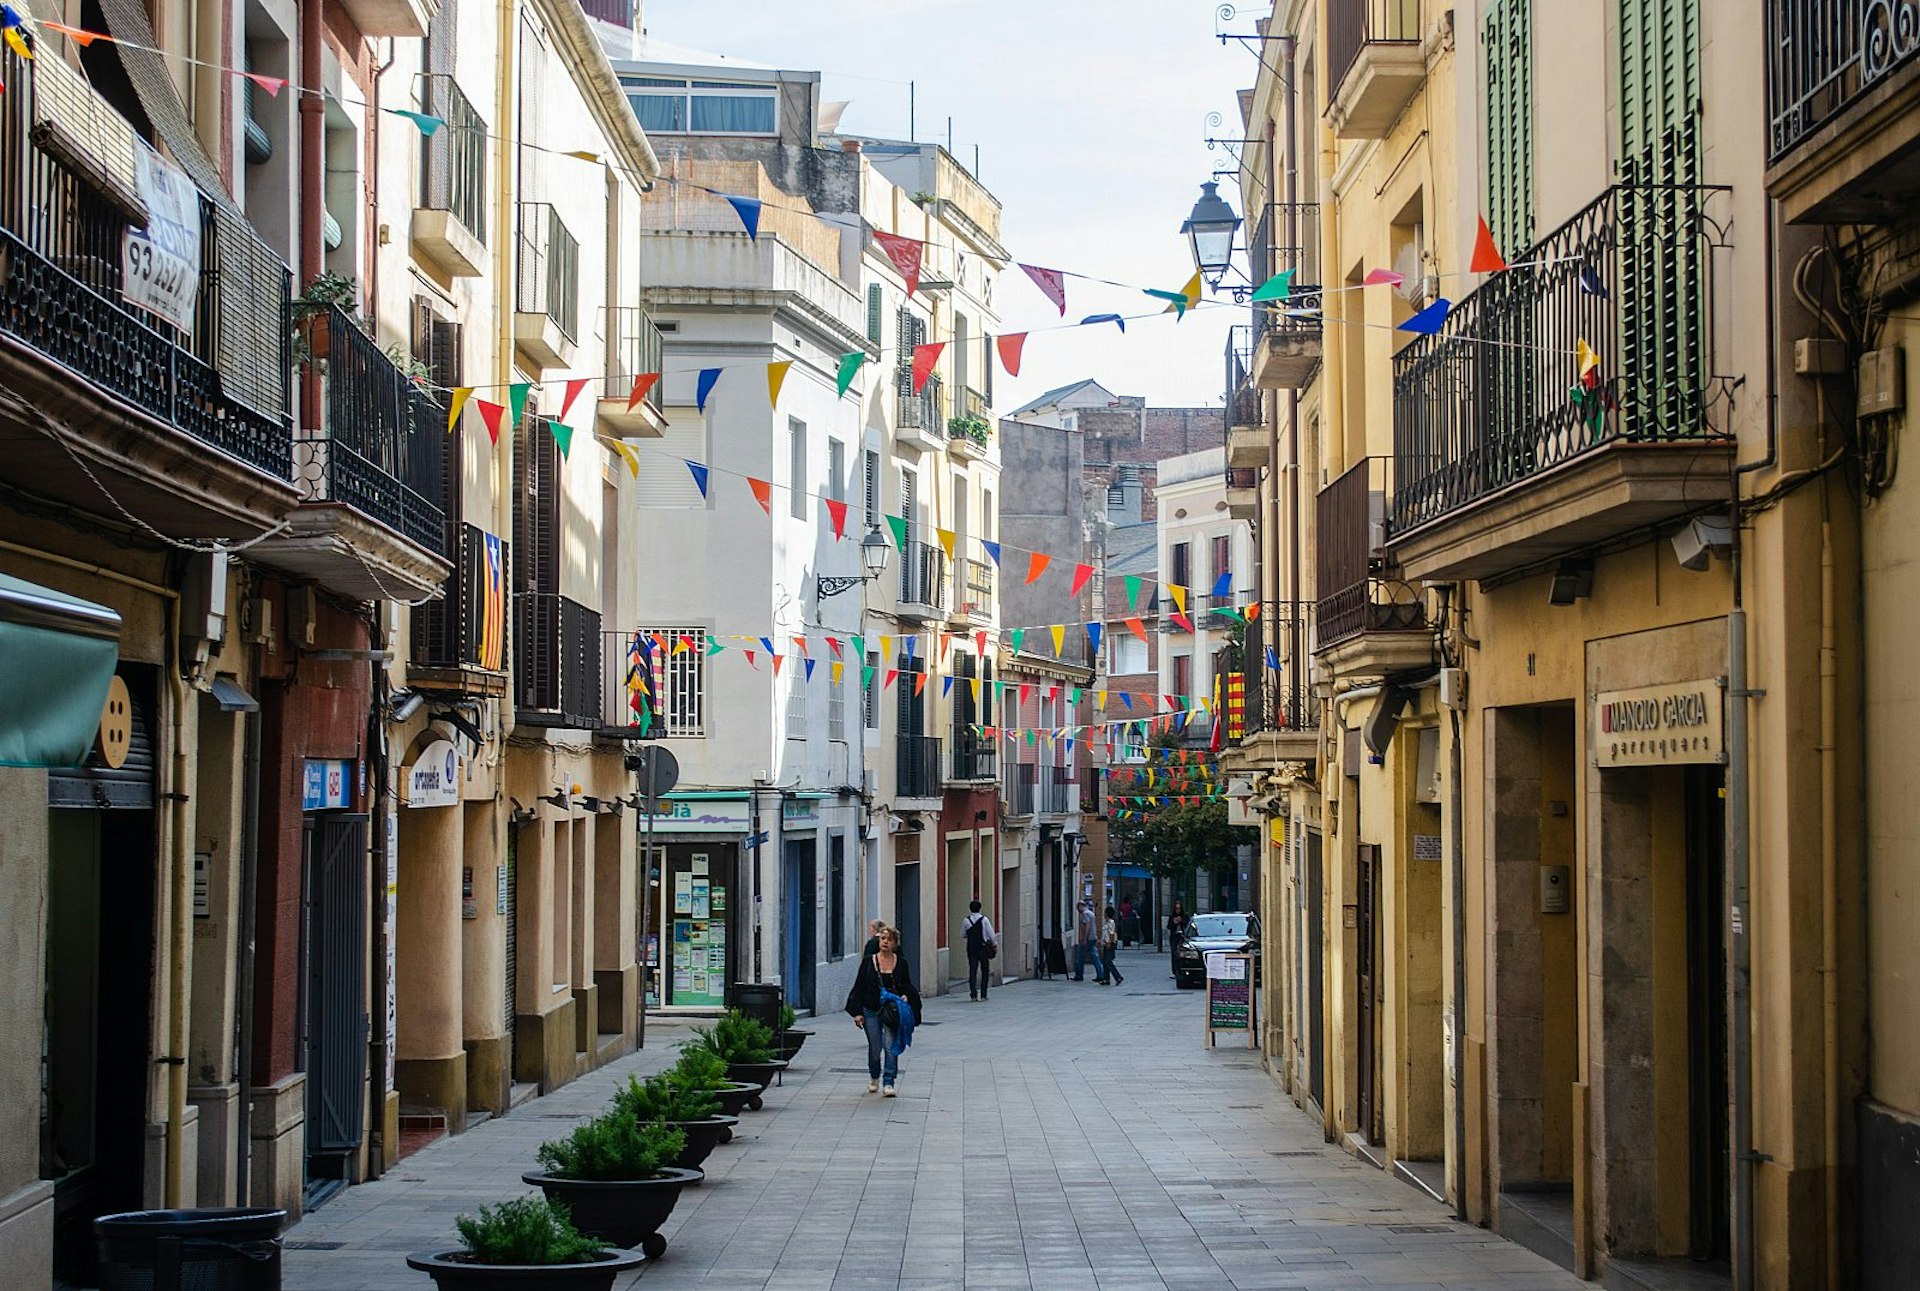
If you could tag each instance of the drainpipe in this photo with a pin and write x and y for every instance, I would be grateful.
(1740, 963)
(1829, 891)
(244, 953)
(180, 935)
(313, 144)
(1457, 890)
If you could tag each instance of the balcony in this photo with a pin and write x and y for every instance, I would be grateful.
(1371, 622)
(449, 227)
(1247, 444)
(973, 600)
(400, 18)
(1375, 64)
(1056, 793)
(1501, 462)
(1243, 492)
(920, 419)
(1287, 333)
(916, 768)
(370, 466)
(459, 641)
(546, 318)
(1017, 795)
(188, 431)
(1282, 713)
(1843, 103)
(923, 582)
(975, 758)
(556, 662)
(633, 347)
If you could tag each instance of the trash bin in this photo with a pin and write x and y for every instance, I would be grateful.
(223, 1249)
(760, 1001)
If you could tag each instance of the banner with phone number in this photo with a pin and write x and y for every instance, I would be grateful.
(162, 261)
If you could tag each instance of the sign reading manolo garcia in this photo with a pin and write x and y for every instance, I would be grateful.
(1658, 725)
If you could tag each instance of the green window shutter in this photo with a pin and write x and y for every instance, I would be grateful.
(873, 313)
(1507, 42)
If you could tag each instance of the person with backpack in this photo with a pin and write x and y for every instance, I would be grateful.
(885, 1004)
(983, 943)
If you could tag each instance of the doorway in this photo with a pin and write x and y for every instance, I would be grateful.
(800, 932)
(1314, 939)
(333, 1001)
(1366, 959)
(1710, 1199)
(906, 914)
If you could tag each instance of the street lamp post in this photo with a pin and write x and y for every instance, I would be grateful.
(1210, 228)
(873, 554)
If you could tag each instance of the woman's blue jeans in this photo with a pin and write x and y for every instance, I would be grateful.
(882, 1062)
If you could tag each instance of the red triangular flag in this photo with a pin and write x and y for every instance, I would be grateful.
(891, 674)
(641, 384)
(1009, 347)
(1081, 573)
(980, 643)
(1050, 281)
(924, 357)
(776, 663)
(762, 493)
(1037, 562)
(1486, 256)
(574, 387)
(834, 643)
(491, 413)
(906, 254)
(836, 512)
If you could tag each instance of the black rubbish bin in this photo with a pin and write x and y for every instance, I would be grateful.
(224, 1249)
(760, 1001)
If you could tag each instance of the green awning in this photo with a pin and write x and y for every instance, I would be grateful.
(57, 653)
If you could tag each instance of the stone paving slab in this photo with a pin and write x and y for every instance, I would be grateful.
(1060, 1136)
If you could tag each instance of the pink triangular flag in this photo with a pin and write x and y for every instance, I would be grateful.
(906, 254)
(1051, 282)
(1376, 277)
(574, 387)
(271, 84)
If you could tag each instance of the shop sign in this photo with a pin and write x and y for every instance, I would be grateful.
(327, 784)
(702, 817)
(799, 811)
(1676, 723)
(434, 779)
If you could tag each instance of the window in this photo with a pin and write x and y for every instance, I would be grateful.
(872, 487)
(836, 470)
(986, 515)
(679, 676)
(870, 691)
(1182, 674)
(836, 896)
(671, 105)
(1508, 41)
(960, 545)
(797, 466)
(1180, 565)
(876, 310)
(796, 703)
(1126, 654)
(1222, 560)
(836, 710)
(661, 487)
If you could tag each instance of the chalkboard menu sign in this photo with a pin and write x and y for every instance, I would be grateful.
(1230, 998)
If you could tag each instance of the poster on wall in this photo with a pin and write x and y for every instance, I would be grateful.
(699, 963)
(683, 894)
(702, 899)
(699, 863)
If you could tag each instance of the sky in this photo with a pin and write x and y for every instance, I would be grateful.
(1091, 121)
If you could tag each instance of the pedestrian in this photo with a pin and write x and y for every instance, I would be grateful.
(1129, 922)
(1082, 939)
(873, 936)
(983, 943)
(1109, 944)
(885, 1004)
(1177, 926)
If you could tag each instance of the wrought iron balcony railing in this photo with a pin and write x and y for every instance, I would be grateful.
(549, 270)
(556, 661)
(1497, 396)
(467, 626)
(1351, 562)
(1352, 25)
(1017, 795)
(633, 347)
(1279, 643)
(923, 575)
(1287, 236)
(975, 757)
(1057, 793)
(916, 770)
(977, 580)
(1823, 55)
(375, 440)
(226, 381)
(1242, 395)
(453, 159)
(921, 411)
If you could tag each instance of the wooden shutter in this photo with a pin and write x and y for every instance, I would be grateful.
(1508, 44)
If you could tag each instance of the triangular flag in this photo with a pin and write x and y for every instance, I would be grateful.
(271, 84)
(1093, 636)
(1059, 631)
(906, 254)
(980, 643)
(919, 682)
(1589, 278)
(748, 209)
(767, 642)
(1585, 360)
(427, 124)
(992, 549)
(1009, 347)
(1179, 595)
(1139, 629)
(849, 365)
(946, 687)
(837, 513)
(750, 659)
(1126, 698)
(1486, 255)
(776, 660)
(974, 684)
(1379, 277)
(866, 676)
(762, 493)
(946, 640)
(1026, 689)
(75, 34)
(1273, 660)
(1115, 319)
(1133, 591)
(490, 413)
(641, 385)
(1429, 320)
(1037, 562)
(809, 667)
(574, 387)
(714, 646)
(946, 537)
(839, 669)
(699, 476)
(924, 357)
(1018, 636)
(460, 396)
(833, 644)
(1253, 610)
(1223, 585)
(776, 377)
(1278, 287)
(704, 387)
(899, 526)
(1081, 573)
(891, 674)
(517, 400)
(799, 643)
(1052, 283)
(562, 435)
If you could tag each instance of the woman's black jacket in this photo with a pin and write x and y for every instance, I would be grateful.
(866, 987)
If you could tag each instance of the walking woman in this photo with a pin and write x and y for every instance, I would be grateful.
(885, 1004)
(1109, 944)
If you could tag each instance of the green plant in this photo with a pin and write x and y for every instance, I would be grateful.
(736, 1038)
(613, 1146)
(664, 1098)
(968, 426)
(787, 1017)
(700, 1068)
(411, 368)
(527, 1230)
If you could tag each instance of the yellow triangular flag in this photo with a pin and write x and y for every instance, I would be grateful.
(1100, 699)
(1059, 631)
(1179, 595)
(460, 396)
(626, 454)
(838, 668)
(1192, 293)
(975, 683)
(776, 377)
(886, 645)
(1584, 358)
(946, 541)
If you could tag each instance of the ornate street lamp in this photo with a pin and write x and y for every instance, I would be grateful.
(1210, 230)
(873, 554)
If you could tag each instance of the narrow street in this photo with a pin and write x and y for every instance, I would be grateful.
(1061, 1136)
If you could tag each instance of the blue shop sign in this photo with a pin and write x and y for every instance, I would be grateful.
(328, 784)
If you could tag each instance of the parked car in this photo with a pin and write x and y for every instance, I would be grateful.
(1227, 931)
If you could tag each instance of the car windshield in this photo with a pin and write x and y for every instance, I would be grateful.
(1210, 926)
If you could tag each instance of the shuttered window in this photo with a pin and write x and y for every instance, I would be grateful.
(1507, 45)
(875, 313)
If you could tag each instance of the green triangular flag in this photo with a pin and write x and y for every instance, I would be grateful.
(1278, 287)
(562, 435)
(1019, 636)
(1133, 591)
(859, 647)
(899, 526)
(1073, 695)
(849, 364)
(714, 647)
(517, 398)
(866, 676)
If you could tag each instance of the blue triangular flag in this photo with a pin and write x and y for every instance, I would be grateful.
(946, 687)
(708, 376)
(748, 209)
(1127, 699)
(809, 662)
(1093, 636)
(1273, 660)
(768, 643)
(1115, 319)
(993, 550)
(427, 124)
(913, 644)
(699, 476)
(1223, 585)
(1429, 320)
(1590, 282)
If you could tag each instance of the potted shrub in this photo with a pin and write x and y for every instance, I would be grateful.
(788, 1042)
(522, 1245)
(680, 1104)
(617, 1179)
(969, 427)
(704, 1069)
(746, 1047)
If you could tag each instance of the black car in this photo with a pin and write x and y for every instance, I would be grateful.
(1224, 931)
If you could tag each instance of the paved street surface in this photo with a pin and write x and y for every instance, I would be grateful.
(1061, 1136)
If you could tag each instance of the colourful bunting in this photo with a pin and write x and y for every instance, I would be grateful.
(1278, 287)
(762, 493)
(899, 526)
(1115, 319)
(574, 387)
(562, 435)
(924, 357)
(709, 377)
(1486, 255)
(837, 513)
(490, 413)
(460, 396)
(699, 476)
(1139, 629)
(1382, 277)
(1019, 638)
(641, 385)
(517, 400)
(1429, 320)
(1009, 347)
(776, 377)
(946, 537)
(1094, 628)
(748, 209)
(849, 365)
(1223, 585)
(1081, 573)
(1059, 631)
(1051, 282)
(1179, 595)
(1037, 562)
(906, 254)
(427, 124)
(1132, 583)
(993, 550)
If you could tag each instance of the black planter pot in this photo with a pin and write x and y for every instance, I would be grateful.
(626, 1212)
(734, 1098)
(702, 1138)
(756, 1073)
(455, 1274)
(788, 1043)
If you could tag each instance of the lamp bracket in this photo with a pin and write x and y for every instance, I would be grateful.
(834, 584)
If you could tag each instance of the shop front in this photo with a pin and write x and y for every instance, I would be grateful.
(694, 920)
